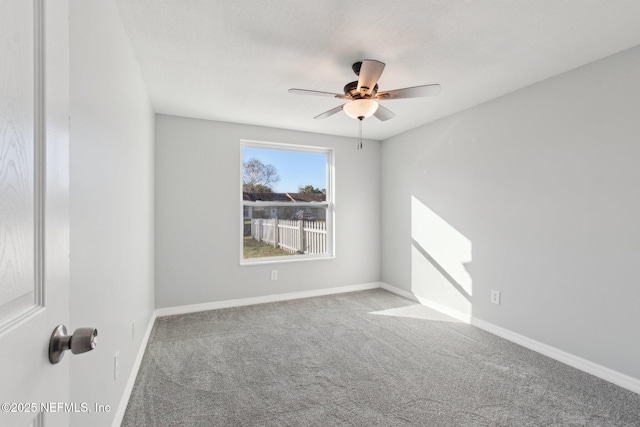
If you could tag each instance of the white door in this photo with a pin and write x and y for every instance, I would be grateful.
(34, 220)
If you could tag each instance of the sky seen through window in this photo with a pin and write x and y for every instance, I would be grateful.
(295, 168)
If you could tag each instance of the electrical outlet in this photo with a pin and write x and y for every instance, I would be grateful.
(116, 365)
(495, 297)
(274, 274)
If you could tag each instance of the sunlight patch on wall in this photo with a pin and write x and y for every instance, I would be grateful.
(439, 253)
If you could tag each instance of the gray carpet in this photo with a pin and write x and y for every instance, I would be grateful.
(366, 358)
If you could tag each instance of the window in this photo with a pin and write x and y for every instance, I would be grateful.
(287, 202)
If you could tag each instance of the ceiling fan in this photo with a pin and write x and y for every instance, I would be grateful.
(363, 96)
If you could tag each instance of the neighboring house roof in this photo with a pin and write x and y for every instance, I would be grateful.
(283, 197)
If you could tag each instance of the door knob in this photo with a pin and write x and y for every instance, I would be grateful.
(82, 340)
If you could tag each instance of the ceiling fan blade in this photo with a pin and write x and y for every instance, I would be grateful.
(370, 72)
(410, 92)
(330, 112)
(383, 114)
(316, 93)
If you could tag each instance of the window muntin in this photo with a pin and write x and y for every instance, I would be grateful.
(291, 218)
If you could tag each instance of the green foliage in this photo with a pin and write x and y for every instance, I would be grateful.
(256, 188)
(311, 189)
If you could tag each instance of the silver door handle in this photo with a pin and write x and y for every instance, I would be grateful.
(82, 340)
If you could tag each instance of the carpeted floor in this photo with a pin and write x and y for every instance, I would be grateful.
(366, 358)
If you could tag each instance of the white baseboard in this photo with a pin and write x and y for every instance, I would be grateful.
(428, 303)
(193, 308)
(128, 388)
(398, 291)
(160, 312)
(607, 374)
(466, 318)
(622, 380)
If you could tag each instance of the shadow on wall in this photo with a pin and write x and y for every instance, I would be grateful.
(439, 253)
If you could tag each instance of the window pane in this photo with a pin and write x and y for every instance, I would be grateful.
(282, 171)
(276, 181)
(285, 230)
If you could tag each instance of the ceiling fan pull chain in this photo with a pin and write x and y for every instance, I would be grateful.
(360, 134)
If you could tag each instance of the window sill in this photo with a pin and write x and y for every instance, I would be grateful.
(281, 260)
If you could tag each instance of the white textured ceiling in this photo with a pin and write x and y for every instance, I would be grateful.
(235, 60)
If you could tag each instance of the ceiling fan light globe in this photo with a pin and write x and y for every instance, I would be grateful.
(360, 108)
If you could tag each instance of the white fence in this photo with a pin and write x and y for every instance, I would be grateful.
(293, 236)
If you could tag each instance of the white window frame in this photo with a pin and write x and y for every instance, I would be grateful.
(328, 204)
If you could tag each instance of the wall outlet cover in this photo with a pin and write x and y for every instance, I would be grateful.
(495, 297)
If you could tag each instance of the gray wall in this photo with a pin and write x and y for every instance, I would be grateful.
(111, 203)
(536, 194)
(198, 215)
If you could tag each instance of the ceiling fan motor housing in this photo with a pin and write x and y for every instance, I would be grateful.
(351, 90)
(356, 67)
